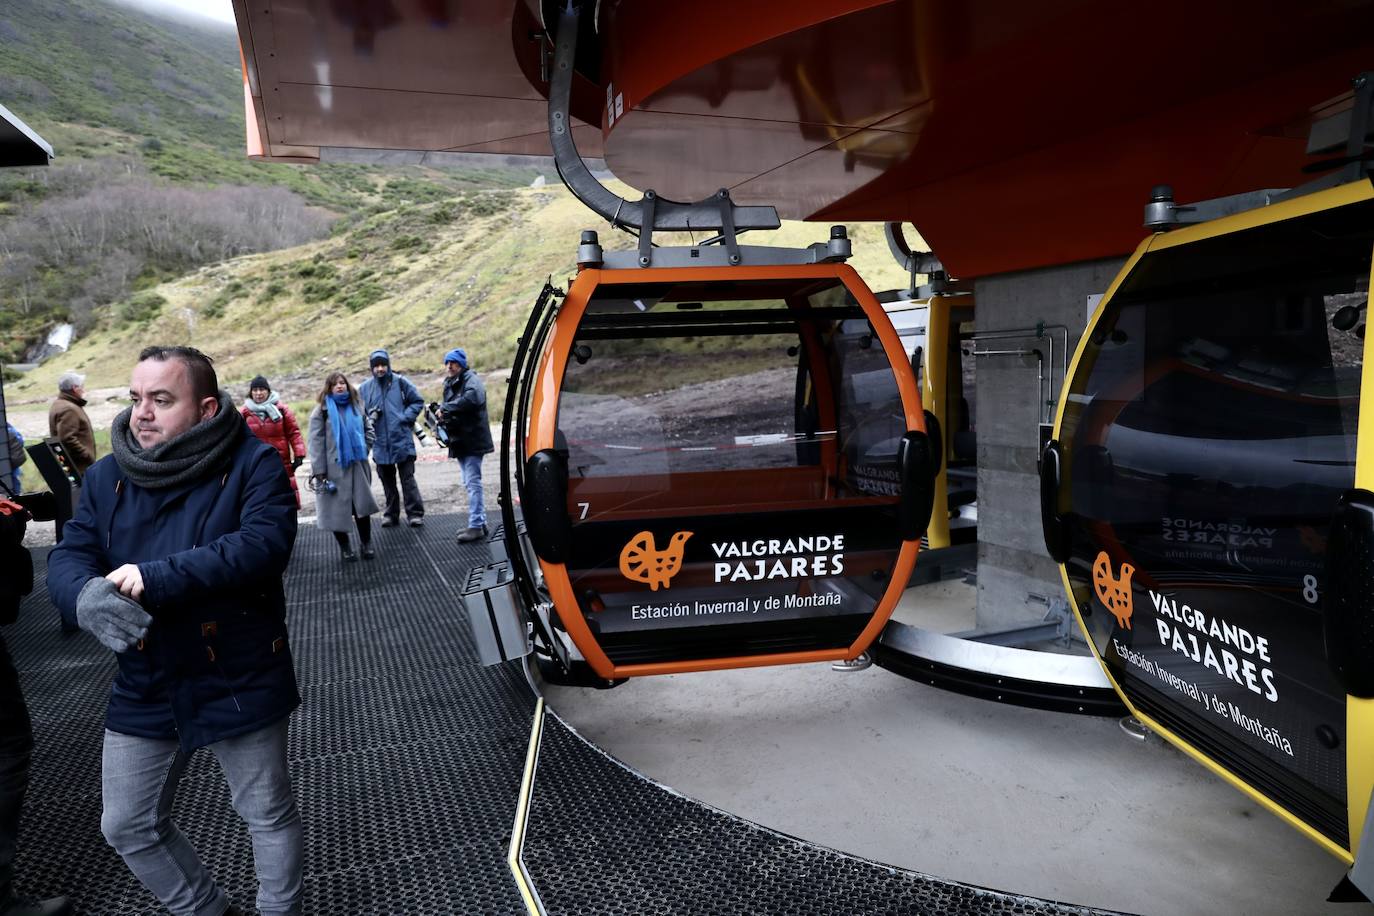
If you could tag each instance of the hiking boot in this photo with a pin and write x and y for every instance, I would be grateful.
(53, 906)
(416, 522)
(390, 522)
(348, 555)
(368, 552)
(472, 534)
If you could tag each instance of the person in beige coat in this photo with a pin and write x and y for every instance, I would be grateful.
(340, 437)
(68, 422)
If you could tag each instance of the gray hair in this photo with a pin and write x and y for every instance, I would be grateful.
(69, 381)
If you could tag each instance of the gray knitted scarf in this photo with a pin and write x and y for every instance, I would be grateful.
(196, 453)
(267, 408)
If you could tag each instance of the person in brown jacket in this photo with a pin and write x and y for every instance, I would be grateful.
(68, 422)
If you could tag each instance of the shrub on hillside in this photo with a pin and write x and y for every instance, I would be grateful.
(225, 296)
(319, 290)
(316, 269)
(488, 204)
(140, 308)
(271, 291)
(363, 295)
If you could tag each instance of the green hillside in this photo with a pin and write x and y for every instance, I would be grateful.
(146, 116)
(418, 280)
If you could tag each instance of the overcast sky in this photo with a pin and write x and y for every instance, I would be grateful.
(218, 10)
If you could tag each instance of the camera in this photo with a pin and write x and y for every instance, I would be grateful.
(433, 418)
(323, 485)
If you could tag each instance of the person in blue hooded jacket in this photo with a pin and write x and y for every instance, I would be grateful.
(393, 403)
(174, 560)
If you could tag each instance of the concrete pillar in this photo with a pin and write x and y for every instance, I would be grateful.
(1012, 563)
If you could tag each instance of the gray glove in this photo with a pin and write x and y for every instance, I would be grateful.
(118, 622)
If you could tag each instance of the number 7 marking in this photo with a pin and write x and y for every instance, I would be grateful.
(585, 507)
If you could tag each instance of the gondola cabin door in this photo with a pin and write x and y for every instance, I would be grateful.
(741, 459)
(1199, 496)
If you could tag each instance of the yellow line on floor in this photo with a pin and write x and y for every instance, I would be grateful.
(517, 834)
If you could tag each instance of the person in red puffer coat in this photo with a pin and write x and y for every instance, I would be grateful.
(274, 423)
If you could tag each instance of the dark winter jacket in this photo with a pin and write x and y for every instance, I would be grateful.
(465, 415)
(212, 553)
(393, 403)
(284, 435)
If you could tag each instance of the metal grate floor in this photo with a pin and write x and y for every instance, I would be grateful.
(407, 757)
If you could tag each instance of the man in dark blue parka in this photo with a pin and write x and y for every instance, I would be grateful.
(174, 559)
(393, 403)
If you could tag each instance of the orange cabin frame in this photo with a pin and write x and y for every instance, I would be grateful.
(734, 485)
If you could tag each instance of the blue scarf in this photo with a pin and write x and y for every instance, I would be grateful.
(348, 428)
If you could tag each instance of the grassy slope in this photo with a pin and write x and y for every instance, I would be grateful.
(472, 288)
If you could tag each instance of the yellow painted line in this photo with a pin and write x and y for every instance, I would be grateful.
(522, 811)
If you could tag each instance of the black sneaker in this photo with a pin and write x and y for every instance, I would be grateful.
(390, 522)
(348, 555)
(53, 906)
(368, 552)
(416, 522)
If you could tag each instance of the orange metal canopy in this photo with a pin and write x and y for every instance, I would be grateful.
(1012, 135)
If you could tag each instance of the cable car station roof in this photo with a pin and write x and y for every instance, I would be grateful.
(1013, 136)
(19, 145)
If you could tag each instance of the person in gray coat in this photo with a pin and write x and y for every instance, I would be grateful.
(340, 438)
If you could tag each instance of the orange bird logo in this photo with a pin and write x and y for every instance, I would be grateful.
(1114, 592)
(641, 561)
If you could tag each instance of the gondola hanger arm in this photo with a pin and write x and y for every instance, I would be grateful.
(653, 213)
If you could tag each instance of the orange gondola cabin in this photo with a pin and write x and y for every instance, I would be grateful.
(723, 466)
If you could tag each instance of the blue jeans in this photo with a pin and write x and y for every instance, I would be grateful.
(139, 778)
(472, 482)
